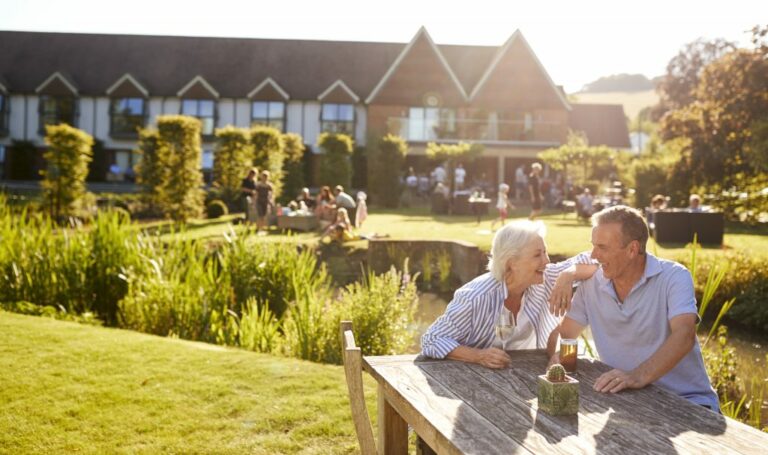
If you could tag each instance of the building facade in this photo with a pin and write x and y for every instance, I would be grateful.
(110, 85)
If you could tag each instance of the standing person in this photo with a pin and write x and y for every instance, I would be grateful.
(502, 205)
(522, 287)
(521, 183)
(458, 176)
(534, 189)
(362, 209)
(248, 195)
(438, 175)
(345, 200)
(264, 201)
(642, 311)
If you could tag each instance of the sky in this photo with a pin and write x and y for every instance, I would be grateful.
(576, 41)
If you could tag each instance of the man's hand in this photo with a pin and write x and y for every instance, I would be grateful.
(492, 358)
(562, 292)
(617, 380)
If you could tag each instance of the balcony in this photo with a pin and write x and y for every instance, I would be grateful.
(538, 132)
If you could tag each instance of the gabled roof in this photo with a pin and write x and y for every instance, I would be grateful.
(198, 80)
(604, 124)
(502, 52)
(54, 78)
(273, 84)
(127, 78)
(340, 85)
(421, 34)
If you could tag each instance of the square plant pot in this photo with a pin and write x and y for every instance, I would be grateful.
(558, 398)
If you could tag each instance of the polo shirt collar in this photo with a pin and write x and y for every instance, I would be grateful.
(652, 268)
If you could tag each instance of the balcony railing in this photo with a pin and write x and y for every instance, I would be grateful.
(416, 130)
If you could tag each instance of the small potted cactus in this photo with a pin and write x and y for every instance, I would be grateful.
(558, 392)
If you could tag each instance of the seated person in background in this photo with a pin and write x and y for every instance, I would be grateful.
(523, 292)
(694, 204)
(305, 197)
(325, 205)
(585, 200)
(658, 203)
(344, 200)
(642, 311)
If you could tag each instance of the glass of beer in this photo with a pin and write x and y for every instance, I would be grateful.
(568, 349)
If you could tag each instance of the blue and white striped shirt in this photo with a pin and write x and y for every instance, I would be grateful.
(470, 318)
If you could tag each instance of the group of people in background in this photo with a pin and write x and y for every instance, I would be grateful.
(258, 198)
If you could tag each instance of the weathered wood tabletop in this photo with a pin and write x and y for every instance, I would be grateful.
(457, 407)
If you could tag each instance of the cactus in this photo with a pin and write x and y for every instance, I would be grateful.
(556, 373)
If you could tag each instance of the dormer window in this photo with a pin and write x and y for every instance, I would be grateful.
(203, 110)
(338, 118)
(268, 113)
(127, 116)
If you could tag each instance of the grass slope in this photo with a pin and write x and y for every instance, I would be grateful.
(69, 388)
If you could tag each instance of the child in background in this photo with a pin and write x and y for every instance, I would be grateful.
(362, 209)
(502, 205)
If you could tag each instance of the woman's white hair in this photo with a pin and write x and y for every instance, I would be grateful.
(509, 241)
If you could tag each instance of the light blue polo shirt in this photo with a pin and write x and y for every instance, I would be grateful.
(627, 334)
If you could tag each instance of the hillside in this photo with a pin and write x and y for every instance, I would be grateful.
(633, 102)
(70, 388)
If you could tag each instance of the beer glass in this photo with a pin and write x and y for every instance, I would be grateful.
(568, 350)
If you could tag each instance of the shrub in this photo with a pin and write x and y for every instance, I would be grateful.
(293, 167)
(151, 171)
(178, 147)
(216, 209)
(335, 167)
(654, 174)
(387, 161)
(67, 161)
(233, 156)
(259, 328)
(269, 154)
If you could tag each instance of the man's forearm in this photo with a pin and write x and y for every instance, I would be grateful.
(552, 342)
(677, 345)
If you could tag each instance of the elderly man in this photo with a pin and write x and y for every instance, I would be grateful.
(642, 311)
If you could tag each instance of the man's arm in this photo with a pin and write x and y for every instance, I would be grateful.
(677, 345)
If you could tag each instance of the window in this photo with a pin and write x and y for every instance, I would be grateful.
(204, 110)
(127, 114)
(3, 114)
(57, 109)
(338, 118)
(429, 123)
(268, 113)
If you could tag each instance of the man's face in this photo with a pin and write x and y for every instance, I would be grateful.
(610, 249)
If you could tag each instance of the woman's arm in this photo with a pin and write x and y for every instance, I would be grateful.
(577, 268)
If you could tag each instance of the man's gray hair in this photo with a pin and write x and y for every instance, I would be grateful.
(632, 222)
(509, 241)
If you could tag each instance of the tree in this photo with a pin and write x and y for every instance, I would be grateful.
(69, 152)
(293, 167)
(387, 159)
(269, 154)
(335, 166)
(150, 172)
(233, 157)
(178, 148)
(452, 154)
(678, 85)
(722, 126)
(586, 164)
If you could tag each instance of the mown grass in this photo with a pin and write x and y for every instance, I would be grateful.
(72, 388)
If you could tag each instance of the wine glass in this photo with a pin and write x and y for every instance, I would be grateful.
(505, 327)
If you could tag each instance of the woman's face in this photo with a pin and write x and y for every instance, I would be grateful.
(528, 268)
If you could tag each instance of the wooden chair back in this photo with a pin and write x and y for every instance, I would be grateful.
(353, 369)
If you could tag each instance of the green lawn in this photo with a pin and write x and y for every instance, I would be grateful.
(71, 388)
(565, 234)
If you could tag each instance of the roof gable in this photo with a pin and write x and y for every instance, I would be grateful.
(198, 88)
(127, 86)
(338, 92)
(58, 85)
(269, 90)
(516, 77)
(422, 68)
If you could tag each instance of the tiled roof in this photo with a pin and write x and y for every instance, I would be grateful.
(603, 123)
(233, 66)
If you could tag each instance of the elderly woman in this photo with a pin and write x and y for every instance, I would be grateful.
(522, 288)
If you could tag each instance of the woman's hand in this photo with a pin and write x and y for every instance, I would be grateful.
(562, 292)
(492, 358)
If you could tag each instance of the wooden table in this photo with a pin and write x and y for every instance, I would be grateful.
(457, 407)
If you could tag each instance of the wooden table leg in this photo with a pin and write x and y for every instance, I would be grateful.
(393, 431)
